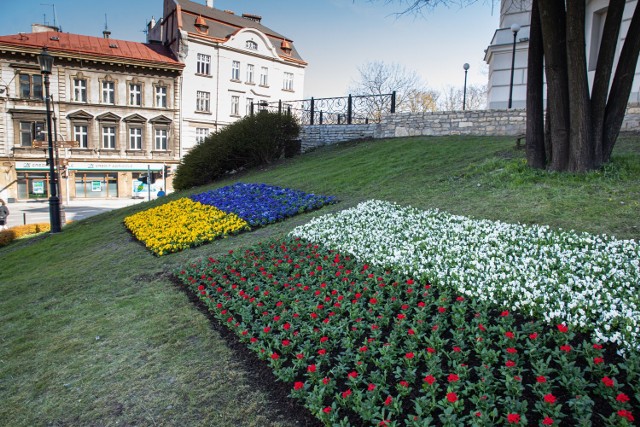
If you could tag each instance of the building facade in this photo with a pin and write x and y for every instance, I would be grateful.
(231, 61)
(116, 115)
(499, 53)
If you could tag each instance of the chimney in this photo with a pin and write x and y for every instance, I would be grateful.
(210, 3)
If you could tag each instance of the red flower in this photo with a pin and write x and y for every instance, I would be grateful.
(533, 336)
(597, 346)
(608, 382)
(352, 374)
(327, 410)
(509, 335)
(441, 309)
(298, 385)
(429, 379)
(409, 355)
(457, 349)
(373, 301)
(325, 381)
(324, 339)
(286, 342)
(549, 398)
(547, 421)
(388, 401)
(452, 397)
(371, 387)
(311, 368)
(286, 326)
(453, 378)
(598, 360)
(562, 328)
(510, 364)
(511, 350)
(346, 393)
(404, 383)
(481, 327)
(626, 414)
(622, 398)
(478, 414)
(431, 350)
(266, 329)
(411, 332)
(504, 313)
(541, 379)
(300, 356)
(566, 348)
(322, 352)
(275, 356)
(513, 418)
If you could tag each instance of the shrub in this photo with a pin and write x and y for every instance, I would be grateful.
(252, 141)
(13, 233)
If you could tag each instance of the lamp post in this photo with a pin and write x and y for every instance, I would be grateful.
(464, 92)
(514, 29)
(46, 65)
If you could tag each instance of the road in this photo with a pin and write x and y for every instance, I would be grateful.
(38, 211)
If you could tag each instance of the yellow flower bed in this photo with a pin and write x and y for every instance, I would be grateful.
(13, 233)
(181, 224)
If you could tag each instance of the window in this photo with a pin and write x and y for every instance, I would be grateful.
(108, 92)
(235, 70)
(250, 73)
(264, 76)
(135, 94)
(287, 84)
(249, 102)
(161, 96)
(30, 131)
(135, 138)
(80, 90)
(251, 45)
(81, 134)
(202, 101)
(161, 139)
(201, 134)
(30, 86)
(597, 29)
(235, 105)
(204, 64)
(109, 137)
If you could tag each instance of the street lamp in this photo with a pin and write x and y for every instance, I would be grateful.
(464, 92)
(514, 29)
(46, 65)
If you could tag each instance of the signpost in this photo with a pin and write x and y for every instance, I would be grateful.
(58, 144)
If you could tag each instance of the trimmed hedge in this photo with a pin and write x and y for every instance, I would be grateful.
(252, 141)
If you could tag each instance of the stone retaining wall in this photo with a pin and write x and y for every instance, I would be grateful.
(440, 123)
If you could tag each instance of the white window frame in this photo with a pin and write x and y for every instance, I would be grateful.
(135, 138)
(108, 136)
(264, 76)
(202, 134)
(81, 134)
(250, 73)
(161, 96)
(249, 101)
(235, 105)
(203, 101)
(80, 89)
(135, 94)
(108, 92)
(203, 66)
(161, 139)
(287, 82)
(235, 70)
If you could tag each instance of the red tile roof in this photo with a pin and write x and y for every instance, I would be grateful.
(96, 47)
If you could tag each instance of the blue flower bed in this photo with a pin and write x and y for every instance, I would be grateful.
(261, 204)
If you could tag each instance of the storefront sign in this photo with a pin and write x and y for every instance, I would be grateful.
(34, 166)
(109, 166)
(96, 186)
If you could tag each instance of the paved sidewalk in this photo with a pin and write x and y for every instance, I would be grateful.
(38, 211)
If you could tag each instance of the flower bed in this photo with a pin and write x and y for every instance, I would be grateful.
(590, 282)
(364, 345)
(261, 204)
(180, 224)
(204, 217)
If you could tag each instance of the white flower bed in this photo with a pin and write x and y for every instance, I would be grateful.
(585, 280)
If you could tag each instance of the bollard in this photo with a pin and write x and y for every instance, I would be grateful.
(24, 218)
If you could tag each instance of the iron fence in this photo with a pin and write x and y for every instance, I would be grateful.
(347, 110)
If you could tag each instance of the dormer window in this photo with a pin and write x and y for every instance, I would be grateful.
(201, 25)
(251, 45)
(286, 47)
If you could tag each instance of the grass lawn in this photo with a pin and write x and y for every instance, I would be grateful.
(94, 332)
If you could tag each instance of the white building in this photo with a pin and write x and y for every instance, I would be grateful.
(231, 61)
(499, 53)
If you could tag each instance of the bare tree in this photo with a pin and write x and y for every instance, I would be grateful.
(583, 125)
(381, 78)
(452, 98)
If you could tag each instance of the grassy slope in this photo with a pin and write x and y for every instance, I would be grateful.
(94, 333)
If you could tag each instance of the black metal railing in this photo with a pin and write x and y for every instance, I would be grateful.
(345, 110)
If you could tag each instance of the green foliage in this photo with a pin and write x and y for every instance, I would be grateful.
(253, 141)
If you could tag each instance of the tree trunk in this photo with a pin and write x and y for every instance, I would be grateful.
(553, 24)
(580, 147)
(621, 87)
(604, 69)
(536, 157)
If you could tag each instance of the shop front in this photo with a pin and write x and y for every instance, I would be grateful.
(107, 180)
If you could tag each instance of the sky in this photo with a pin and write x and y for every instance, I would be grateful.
(334, 36)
